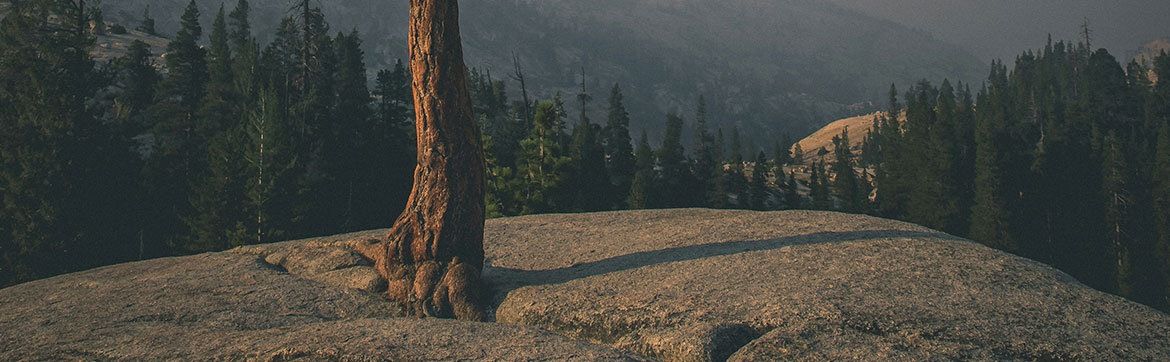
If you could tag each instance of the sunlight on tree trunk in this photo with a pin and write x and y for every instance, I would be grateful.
(433, 255)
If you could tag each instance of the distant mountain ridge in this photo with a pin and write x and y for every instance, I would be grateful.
(765, 66)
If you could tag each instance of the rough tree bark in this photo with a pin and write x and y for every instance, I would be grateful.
(433, 255)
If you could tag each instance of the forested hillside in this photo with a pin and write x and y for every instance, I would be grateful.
(1064, 159)
(233, 142)
(768, 67)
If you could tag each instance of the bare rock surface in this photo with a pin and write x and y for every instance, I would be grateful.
(299, 300)
(706, 285)
(674, 285)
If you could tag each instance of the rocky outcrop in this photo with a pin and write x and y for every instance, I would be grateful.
(277, 302)
(701, 285)
(676, 285)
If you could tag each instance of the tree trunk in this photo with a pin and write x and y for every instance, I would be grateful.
(433, 255)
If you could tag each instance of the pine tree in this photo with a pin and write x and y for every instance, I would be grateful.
(758, 187)
(61, 169)
(394, 106)
(99, 23)
(1161, 195)
(244, 64)
(241, 28)
(792, 198)
(216, 112)
(138, 78)
(544, 167)
(779, 159)
(1115, 185)
(353, 136)
(928, 163)
(644, 177)
(707, 168)
(186, 62)
(736, 183)
(217, 197)
(873, 145)
(990, 218)
(270, 184)
(783, 150)
(147, 22)
(219, 56)
(618, 147)
(818, 184)
(717, 198)
(215, 189)
(179, 154)
(437, 242)
(1159, 102)
(393, 143)
(320, 207)
(846, 186)
(964, 161)
(590, 179)
(674, 180)
(889, 177)
(797, 154)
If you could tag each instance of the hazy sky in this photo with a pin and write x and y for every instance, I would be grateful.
(1004, 28)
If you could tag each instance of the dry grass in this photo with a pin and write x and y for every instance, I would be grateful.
(858, 127)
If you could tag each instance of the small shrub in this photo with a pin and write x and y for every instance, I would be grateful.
(117, 29)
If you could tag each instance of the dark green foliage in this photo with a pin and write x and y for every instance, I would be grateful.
(219, 60)
(186, 63)
(589, 179)
(99, 23)
(1161, 199)
(270, 185)
(63, 167)
(644, 176)
(1118, 198)
(350, 129)
(674, 183)
(619, 151)
(818, 184)
(736, 183)
(543, 166)
(1063, 160)
(137, 77)
(216, 195)
(891, 187)
(394, 106)
(846, 185)
(758, 186)
(927, 170)
(241, 28)
(391, 143)
(147, 23)
(1159, 103)
(717, 197)
(797, 155)
(990, 221)
(792, 198)
(782, 155)
(708, 167)
(180, 148)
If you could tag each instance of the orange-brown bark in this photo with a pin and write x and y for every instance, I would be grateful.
(433, 255)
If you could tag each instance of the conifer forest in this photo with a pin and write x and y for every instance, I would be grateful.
(1061, 156)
